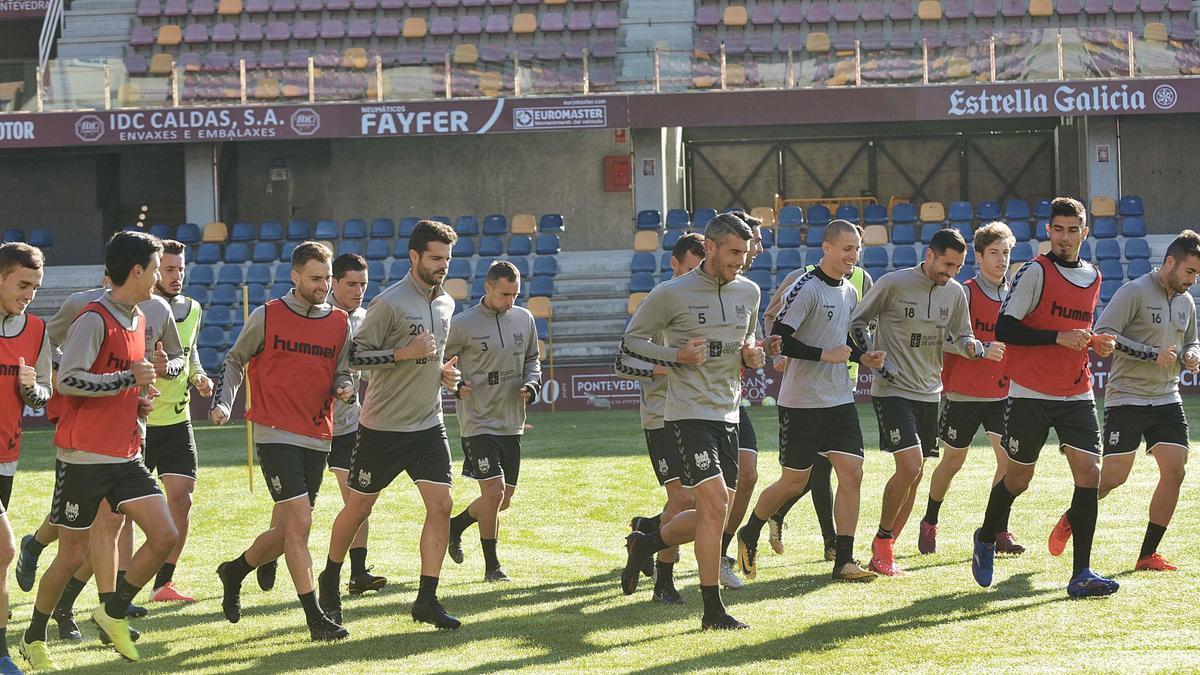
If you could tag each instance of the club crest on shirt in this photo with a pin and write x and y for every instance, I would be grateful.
(1114, 438)
(484, 465)
(71, 511)
(702, 461)
(742, 313)
(944, 313)
(662, 466)
(894, 436)
(364, 478)
(519, 338)
(276, 484)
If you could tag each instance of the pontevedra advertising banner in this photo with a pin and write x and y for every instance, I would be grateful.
(23, 10)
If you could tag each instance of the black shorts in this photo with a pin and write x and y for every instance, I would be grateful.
(961, 419)
(488, 456)
(1027, 423)
(747, 439)
(79, 489)
(806, 433)
(707, 449)
(340, 451)
(291, 471)
(5, 492)
(1126, 425)
(664, 455)
(381, 456)
(905, 423)
(171, 450)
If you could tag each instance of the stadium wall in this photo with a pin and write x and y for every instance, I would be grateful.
(1158, 162)
(57, 191)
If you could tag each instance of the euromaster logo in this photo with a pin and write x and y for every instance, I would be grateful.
(89, 128)
(562, 116)
(305, 122)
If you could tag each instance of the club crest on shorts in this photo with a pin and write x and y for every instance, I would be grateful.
(484, 465)
(71, 511)
(952, 434)
(276, 484)
(662, 466)
(1014, 446)
(894, 436)
(703, 461)
(1114, 438)
(364, 478)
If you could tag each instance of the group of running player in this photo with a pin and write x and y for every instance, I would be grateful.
(1010, 356)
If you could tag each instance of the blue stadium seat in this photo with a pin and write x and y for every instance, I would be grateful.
(1112, 269)
(1104, 228)
(1022, 252)
(904, 256)
(256, 294)
(678, 219)
(764, 261)
(1108, 249)
(258, 274)
(904, 233)
(208, 253)
(641, 282)
(876, 272)
(701, 217)
(669, 239)
(961, 212)
(481, 267)
(459, 269)
(1137, 268)
(1108, 288)
(814, 256)
(230, 274)
(354, 246)
(282, 273)
(237, 253)
(383, 228)
(160, 230)
(1020, 230)
(650, 219)
(1132, 226)
(374, 288)
(1041, 210)
(354, 229)
(200, 275)
(928, 230)
(327, 230)
(378, 249)
(643, 262)
(376, 271)
(818, 214)
(264, 252)
(280, 289)
(768, 237)
(964, 228)
(496, 224)
(272, 230)
(542, 326)
(463, 248)
(407, 224)
(815, 235)
(1016, 209)
(543, 287)
(987, 211)
(875, 256)
(477, 290)
(965, 273)
(789, 260)
(875, 214)
(1136, 249)
(210, 360)
(665, 262)
(1041, 230)
(520, 245)
(904, 214)
(1130, 205)
(242, 231)
(551, 222)
(788, 237)
(548, 244)
(300, 230)
(1085, 251)
(188, 233)
(217, 315)
(226, 295)
(763, 279)
(522, 265)
(467, 226)
(398, 269)
(41, 238)
(781, 276)
(847, 212)
(788, 215)
(400, 250)
(491, 247)
(200, 294)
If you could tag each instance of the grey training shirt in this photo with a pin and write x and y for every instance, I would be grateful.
(819, 314)
(498, 356)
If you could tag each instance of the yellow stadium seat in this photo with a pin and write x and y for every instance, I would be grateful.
(645, 241)
(539, 307)
(765, 214)
(1043, 247)
(524, 223)
(1155, 32)
(704, 82)
(817, 42)
(129, 94)
(169, 35)
(1104, 207)
(929, 10)
(524, 23)
(875, 235)
(292, 90)
(933, 212)
(635, 299)
(162, 64)
(354, 57)
(735, 16)
(542, 350)
(267, 89)
(415, 28)
(229, 7)
(555, 2)
(465, 55)
(215, 232)
(457, 289)
(1041, 8)
(491, 84)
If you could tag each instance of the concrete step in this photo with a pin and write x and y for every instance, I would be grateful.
(576, 308)
(594, 263)
(590, 327)
(591, 287)
(92, 47)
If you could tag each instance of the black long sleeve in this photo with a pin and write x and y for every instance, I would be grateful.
(793, 348)
(1011, 330)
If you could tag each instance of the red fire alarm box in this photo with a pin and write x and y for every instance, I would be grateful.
(618, 173)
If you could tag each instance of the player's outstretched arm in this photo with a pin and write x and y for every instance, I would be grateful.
(233, 370)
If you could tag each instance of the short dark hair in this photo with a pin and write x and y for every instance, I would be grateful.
(502, 269)
(310, 250)
(725, 224)
(948, 238)
(426, 231)
(692, 242)
(348, 262)
(19, 254)
(172, 247)
(1070, 208)
(750, 220)
(1186, 244)
(838, 227)
(127, 249)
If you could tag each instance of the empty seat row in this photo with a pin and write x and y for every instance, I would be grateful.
(327, 230)
(38, 236)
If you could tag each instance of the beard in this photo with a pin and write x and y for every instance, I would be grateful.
(163, 291)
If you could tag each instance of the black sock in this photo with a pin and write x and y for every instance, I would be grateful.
(3, 641)
(726, 537)
(650, 544)
(104, 597)
(460, 523)
(332, 573)
(1085, 505)
(312, 612)
(34, 546)
(427, 591)
(999, 504)
(118, 603)
(120, 575)
(713, 607)
(844, 545)
(665, 579)
(822, 496)
(490, 561)
(165, 574)
(1154, 535)
(932, 509)
(883, 534)
(1002, 526)
(37, 627)
(782, 511)
(753, 528)
(358, 561)
(654, 522)
(238, 568)
(66, 601)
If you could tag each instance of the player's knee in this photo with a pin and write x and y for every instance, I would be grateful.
(164, 539)
(8, 550)
(180, 501)
(439, 506)
(712, 503)
(1016, 482)
(747, 477)
(72, 553)
(851, 474)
